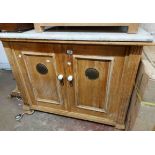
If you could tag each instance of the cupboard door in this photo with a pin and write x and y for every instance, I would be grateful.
(92, 82)
(42, 73)
(97, 72)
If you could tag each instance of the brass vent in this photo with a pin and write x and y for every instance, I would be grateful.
(41, 68)
(92, 73)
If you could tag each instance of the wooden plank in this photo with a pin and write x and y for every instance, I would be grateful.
(82, 24)
(13, 27)
(18, 77)
(76, 115)
(38, 27)
(132, 27)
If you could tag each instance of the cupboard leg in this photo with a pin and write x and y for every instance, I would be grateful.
(120, 126)
(16, 93)
(27, 110)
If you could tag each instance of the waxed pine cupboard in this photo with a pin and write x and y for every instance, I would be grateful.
(86, 81)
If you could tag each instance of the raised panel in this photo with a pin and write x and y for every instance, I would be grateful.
(92, 93)
(96, 97)
(42, 73)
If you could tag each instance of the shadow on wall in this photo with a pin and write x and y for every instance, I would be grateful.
(4, 64)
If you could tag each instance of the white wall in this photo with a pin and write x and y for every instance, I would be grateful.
(4, 64)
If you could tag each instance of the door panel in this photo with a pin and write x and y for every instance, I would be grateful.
(92, 81)
(42, 72)
(97, 73)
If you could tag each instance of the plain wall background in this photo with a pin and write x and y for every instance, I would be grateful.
(150, 27)
(4, 64)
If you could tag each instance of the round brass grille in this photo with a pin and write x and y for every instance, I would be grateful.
(41, 68)
(92, 73)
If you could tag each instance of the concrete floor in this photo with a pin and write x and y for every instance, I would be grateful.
(39, 121)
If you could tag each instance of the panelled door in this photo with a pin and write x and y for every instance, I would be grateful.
(84, 80)
(44, 70)
(93, 79)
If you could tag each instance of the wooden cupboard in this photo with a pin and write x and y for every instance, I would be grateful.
(90, 82)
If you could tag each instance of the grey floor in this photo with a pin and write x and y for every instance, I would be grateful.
(39, 121)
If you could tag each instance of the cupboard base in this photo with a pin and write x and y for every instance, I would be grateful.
(78, 116)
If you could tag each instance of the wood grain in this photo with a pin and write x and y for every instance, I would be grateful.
(132, 27)
(127, 81)
(104, 100)
(13, 27)
(17, 74)
(96, 52)
(46, 87)
(98, 88)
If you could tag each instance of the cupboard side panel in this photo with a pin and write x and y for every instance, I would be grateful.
(17, 74)
(127, 82)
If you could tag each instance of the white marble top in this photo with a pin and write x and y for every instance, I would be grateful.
(141, 36)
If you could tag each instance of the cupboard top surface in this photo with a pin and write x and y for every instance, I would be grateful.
(141, 36)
